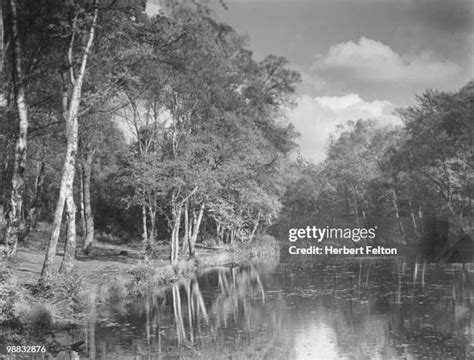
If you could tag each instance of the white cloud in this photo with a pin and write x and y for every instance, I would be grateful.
(372, 61)
(317, 118)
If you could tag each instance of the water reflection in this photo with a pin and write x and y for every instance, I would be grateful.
(383, 310)
(349, 309)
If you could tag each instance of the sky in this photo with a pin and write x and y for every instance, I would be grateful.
(358, 58)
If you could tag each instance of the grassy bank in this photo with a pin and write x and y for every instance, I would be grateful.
(108, 275)
(152, 273)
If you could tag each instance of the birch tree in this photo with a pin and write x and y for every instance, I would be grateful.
(15, 201)
(71, 97)
(1, 37)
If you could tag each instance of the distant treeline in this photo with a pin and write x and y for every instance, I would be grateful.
(422, 169)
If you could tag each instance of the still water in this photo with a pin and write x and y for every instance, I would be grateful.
(285, 309)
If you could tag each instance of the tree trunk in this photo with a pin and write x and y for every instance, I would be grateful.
(81, 201)
(254, 230)
(1, 40)
(32, 217)
(151, 237)
(53, 241)
(70, 245)
(227, 239)
(13, 216)
(144, 228)
(89, 218)
(187, 228)
(397, 213)
(413, 219)
(177, 208)
(219, 232)
(356, 210)
(66, 187)
(70, 109)
(196, 225)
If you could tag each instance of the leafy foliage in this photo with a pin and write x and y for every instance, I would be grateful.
(424, 168)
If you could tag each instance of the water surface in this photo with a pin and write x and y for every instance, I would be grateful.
(338, 308)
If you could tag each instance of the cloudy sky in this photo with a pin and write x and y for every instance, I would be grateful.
(359, 58)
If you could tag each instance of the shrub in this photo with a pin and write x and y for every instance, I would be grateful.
(67, 290)
(260, 246)
(164, 275)
(10, 290)
(142, 273)
(147, 275)
(185, 268)
(116, 291)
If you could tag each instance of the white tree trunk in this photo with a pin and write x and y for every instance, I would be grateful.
(70, 246)
(177, 208)
(71, 110)
(13, 215)
(195, 230)
(254, 230)
(1, 41)
(151, 237)
(186, 227)
(144, 228)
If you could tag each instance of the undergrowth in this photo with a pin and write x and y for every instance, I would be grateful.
(260, 247)
(147, 275)
(11, 291)
(69, 290)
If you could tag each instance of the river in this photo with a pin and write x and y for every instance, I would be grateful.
(305, 308)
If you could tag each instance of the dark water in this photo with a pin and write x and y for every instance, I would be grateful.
(340, 309)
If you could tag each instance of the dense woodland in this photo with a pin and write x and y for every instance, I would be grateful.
(166, 129)
(160, 127)
(423, 168)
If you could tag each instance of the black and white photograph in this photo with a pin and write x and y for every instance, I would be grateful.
(237, 179)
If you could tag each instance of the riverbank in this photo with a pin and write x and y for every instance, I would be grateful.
(108, 274)
(106, 262)
(111, 261)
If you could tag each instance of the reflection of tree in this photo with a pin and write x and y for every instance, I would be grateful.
(242, 312)
(90, 334)
(439, 315)
(239, 289)
(365, 309)
(403, 311)
(181, 333)
(185, 322)
(381, 309)
(195, 311)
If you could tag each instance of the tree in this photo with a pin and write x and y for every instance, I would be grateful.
(1, 38)
(15, 199)
(419, 170)
(354, 183)
(214, 115)
(82, 95)
(439, 149)
(71, 98)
